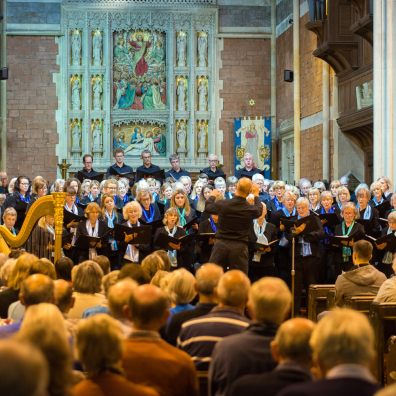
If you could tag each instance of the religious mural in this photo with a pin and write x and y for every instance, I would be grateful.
(133, 138)
(139, 72)
(137, 78)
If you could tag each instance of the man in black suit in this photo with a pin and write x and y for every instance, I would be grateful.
(291, 350)
(212, 170)
(343, 348)
(235, 221)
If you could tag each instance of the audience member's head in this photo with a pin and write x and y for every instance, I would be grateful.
(6, 270)
(343, 336)
(109, 280)
(233, 288)
(21, 270)
(63, 295)
(149, 308)
(119, 296)
(103, 262)
(269, 300)
(63, 268)
(43, 326)
(158, 278)
(362, 252)
(23, 370)
(135, 272)
(181, 286)
(43, 266)
(291, 342)
(207, 278)
(165, 258)
(36, 289)
(87, 277)
(152, 263)
(99, 344)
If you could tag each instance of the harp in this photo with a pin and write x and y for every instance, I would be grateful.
(48, 205)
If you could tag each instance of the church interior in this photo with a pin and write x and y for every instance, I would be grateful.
(196, 197)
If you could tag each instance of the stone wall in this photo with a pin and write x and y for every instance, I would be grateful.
(31, 106)
(245, 74)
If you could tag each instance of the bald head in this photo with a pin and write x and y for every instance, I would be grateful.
(119, 296)
(233, 289)
(63, 295)
(148, 307)
(244, 187)
(36, 289)
(292, 341)
(207, 278)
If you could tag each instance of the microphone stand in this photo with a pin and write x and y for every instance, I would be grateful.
(293, 274)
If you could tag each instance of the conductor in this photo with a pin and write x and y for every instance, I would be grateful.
(236, 217)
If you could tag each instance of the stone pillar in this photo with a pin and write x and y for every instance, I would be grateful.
(296, 92)
(326, 121)
(384, 88)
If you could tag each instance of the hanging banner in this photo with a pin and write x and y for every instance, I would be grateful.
(253, 135)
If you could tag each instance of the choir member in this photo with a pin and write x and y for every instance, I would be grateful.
(181, 203)
(343, 196)
(9, 220)
(350, 228)
(386, 258)
(176, 253)
(368, 214)
(150, 210)
(134, 253)
(327, 274)
(314, 199)
(307, 253)
(111, 217)
(19, 199)
(93, 192)
(261, 262)
(93, 227)
(386, 185)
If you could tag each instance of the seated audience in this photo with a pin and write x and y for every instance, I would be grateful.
(198, 337)
(181, 290)
(18, 274)
(44, 327)
(206, 279)
(166, 369)
(387, 291)
(119, 296)
(63, 268)
(290, 349)
(343, 349)
(363, 278)
(87, 280)
(23, 370)
(99, 345)
(35, 289)
(249, 352)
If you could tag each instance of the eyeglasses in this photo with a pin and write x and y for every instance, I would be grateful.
(24, 184)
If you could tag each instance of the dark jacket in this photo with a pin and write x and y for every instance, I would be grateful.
(270, 384)
(235, 216)
(331, 387)
(241, 354)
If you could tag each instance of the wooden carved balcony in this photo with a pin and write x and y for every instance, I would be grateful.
(336, 43)
(362, 11)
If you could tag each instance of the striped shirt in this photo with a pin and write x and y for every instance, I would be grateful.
(199, 336)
